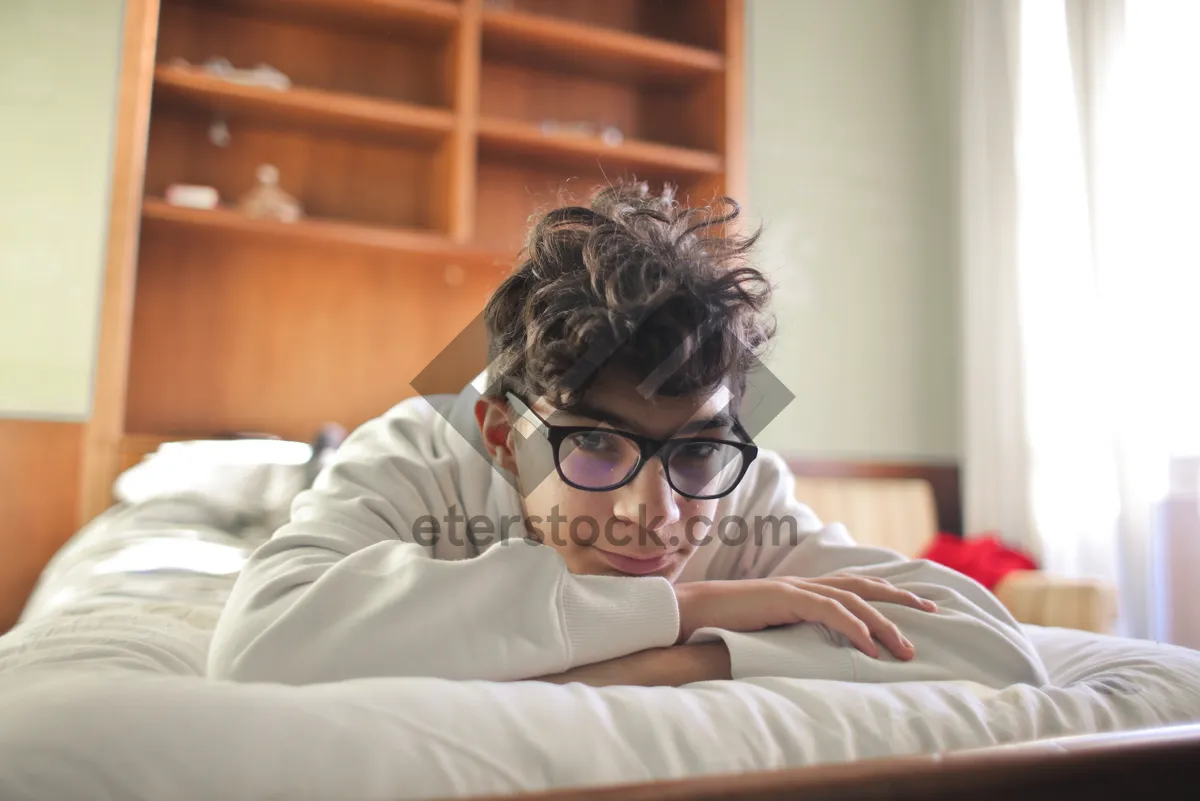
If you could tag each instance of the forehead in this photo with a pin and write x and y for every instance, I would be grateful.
(652, 414)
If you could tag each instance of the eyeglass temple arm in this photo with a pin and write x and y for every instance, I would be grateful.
(525, 411)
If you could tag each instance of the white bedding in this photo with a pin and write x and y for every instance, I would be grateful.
(109, 704)
(102, 696)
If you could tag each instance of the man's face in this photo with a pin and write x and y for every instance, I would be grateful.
(642, 528)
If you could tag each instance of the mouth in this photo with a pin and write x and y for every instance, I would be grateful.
(634, 566)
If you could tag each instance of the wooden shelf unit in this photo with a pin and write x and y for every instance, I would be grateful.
(420, 136)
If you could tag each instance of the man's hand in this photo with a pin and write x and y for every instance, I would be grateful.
(657, 667)
(839, 602)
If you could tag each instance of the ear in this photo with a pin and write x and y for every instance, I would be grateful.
(495, 425)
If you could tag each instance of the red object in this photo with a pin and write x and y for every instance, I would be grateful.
(983, 558)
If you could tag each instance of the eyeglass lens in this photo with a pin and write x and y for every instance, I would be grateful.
(598, 459)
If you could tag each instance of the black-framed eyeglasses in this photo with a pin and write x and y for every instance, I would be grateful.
(598, 459)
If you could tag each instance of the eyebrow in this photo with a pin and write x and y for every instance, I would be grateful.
(584, 409)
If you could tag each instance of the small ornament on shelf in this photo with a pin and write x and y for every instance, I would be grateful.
(218, 133)
(191, 196)
(267, 201)
(262, 75)
(610, 135)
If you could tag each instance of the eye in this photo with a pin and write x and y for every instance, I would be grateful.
(593, 441)
(698, 451)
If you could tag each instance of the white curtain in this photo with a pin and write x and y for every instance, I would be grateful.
(1080, 166)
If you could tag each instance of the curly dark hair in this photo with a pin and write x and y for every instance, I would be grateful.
(635, 283)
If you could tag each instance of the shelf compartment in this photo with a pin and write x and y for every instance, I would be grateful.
(522, 138)
(312, 109)
(698, 23)
(366, 60)
(390, 184)
(511, 191)
(551, 43)
(250, 326)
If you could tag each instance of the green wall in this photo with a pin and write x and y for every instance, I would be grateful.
(852, 173)
(59, 71)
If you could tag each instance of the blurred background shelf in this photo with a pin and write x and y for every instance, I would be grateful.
(422, 18)
(551, 43)
(527, 139)
(412, 243)
(300, 107)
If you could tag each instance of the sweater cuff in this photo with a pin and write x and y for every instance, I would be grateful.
(609, 616)
(802, 651)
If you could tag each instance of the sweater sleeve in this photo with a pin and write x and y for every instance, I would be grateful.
(971, 637)
(349, 587)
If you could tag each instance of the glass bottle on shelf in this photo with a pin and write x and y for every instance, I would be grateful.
(267, 201)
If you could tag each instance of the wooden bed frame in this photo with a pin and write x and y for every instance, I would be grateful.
(1156, 762)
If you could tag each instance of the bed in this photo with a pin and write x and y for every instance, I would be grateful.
(102, 695)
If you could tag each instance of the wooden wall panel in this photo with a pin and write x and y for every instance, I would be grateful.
(39, 499)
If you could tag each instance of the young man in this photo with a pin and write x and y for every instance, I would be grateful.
(591, 509)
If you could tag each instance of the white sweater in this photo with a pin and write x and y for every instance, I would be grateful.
(345, 589)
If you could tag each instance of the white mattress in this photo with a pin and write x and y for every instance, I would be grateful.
(110, 704)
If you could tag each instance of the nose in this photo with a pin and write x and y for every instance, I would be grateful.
(650, 503)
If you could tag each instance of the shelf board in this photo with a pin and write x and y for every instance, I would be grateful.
(560, 44)
(420, 245)
(515, 137)
(301, 107)
(416, 17)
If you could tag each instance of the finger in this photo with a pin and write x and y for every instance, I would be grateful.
(877, 623)
(818, 608)
(873, 588)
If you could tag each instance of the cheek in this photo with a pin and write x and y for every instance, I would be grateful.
(697, 519)
(559, 511)
(570, 522)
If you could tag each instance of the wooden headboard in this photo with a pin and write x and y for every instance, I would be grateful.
(943, 477)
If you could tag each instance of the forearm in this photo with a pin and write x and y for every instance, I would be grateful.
(674, 666)
(304, 615)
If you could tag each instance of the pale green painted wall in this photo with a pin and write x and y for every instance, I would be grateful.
(852, 172)
(59, 70)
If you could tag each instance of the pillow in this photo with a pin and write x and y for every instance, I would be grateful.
(252, 477)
